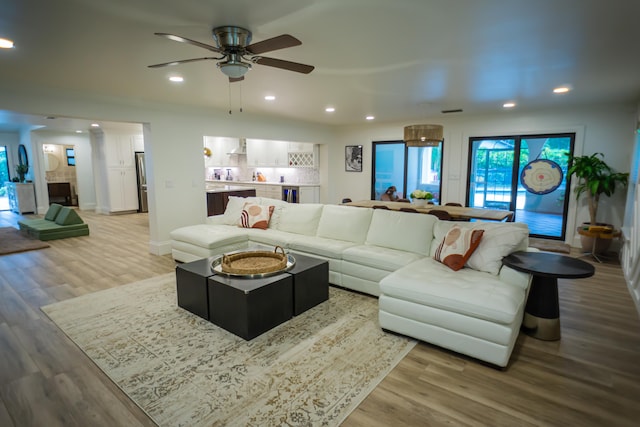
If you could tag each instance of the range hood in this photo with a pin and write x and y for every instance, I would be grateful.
(241, 148)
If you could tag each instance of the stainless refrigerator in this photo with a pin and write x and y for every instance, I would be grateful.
(141, 174)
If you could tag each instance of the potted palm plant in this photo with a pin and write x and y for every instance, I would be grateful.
(595, 178)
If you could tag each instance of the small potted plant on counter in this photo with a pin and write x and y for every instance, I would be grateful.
(21, 170)
(420, 197)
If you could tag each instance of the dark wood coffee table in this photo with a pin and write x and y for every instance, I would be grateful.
(542, 312)
(250, 307)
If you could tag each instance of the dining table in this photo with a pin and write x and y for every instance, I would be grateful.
(456, 212)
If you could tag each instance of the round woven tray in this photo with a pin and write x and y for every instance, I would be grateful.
(255, 262)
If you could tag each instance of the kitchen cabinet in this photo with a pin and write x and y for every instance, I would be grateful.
(300, 147)
(217, 199)
(309, 194)
(302, 155)
(119, 150)
(270, 191)
(220, 148)
(267, 153)
(123, 189)
(22, 197)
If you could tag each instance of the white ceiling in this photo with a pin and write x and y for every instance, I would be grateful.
(399, 60)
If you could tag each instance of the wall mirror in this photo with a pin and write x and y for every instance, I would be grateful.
(50, 162)
(23, 159)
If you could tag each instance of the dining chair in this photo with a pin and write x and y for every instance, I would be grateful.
(409, 210)
(444, 215)
(453, 204)
(381, 207)
(346, 200)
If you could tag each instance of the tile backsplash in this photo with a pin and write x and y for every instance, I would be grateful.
(243, 172)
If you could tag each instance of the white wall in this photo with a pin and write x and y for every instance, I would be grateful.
(606, 128)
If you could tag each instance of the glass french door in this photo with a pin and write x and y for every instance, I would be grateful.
(406, 168)
(4, 177)
(525, 174)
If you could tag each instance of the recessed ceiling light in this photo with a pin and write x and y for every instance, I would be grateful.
(370, 117)
(561, 89)
(509, 104)
(78, 131)
(95, 125)
(329, 109)
(6, 44)
(270, 98)
(176, 79)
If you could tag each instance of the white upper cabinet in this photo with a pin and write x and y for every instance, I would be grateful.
(267, 153)
(119, 151)
(300, 147)
(220, 148)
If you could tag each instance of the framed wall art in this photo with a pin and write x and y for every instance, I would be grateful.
(353, 158)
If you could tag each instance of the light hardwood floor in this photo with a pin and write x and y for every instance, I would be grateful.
(591, 377)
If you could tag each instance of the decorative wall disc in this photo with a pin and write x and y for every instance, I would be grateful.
(541, 176)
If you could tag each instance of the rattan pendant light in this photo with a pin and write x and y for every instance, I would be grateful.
(423, 135)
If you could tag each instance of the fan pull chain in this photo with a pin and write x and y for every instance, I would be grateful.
(240, 88)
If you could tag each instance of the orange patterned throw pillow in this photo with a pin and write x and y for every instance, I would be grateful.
(457, 246)
(255, 216)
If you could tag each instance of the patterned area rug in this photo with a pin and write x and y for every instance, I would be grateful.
(184, 371)
(12, 240)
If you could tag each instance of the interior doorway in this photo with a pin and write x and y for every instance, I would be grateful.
(60, 174)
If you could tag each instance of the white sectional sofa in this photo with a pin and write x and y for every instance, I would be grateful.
(476, 311)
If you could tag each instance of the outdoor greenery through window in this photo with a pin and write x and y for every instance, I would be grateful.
(496, 168)
(406, 168)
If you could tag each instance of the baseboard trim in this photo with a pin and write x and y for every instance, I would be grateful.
(160, 248)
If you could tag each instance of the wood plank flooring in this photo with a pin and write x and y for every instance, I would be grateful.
(591, 377)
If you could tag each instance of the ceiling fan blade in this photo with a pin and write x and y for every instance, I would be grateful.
(236, 79)
(274, 43)
(285, 65)
(186, 40)
(182, 61)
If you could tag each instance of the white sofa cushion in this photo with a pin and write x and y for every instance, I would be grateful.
(499, 240)
(402, 231)
(346, 223)
(467, 291)
(300, 218)
(320, 246)
(379, 257)
(209, 236)
(271, 237)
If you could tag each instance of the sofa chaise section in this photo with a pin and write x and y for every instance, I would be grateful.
(474, 311)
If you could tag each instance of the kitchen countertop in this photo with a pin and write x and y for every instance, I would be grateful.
(227, 188)
(286, 184)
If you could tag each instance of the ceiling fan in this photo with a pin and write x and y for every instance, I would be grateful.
(237, 54)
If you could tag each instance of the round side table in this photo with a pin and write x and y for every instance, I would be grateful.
(542, 312)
